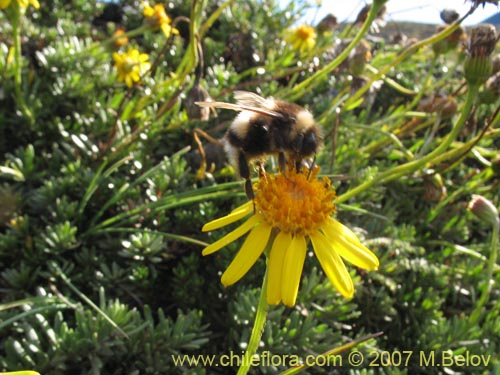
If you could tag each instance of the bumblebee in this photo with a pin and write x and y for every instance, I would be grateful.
(267, 126)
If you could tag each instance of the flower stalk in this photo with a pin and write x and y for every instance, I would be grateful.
(15, 13)
(257, 330)
(488, 213)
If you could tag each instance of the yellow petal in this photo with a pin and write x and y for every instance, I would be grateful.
(231, 236)
(148, 10)
(275, 267)
(128, 80)
(4, 4)
(332, 265)
(165, 27)
(235, 215)
(251, 250)
(347, 244)
(292, 270)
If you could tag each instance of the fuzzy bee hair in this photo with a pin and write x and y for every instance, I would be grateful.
(267, 126)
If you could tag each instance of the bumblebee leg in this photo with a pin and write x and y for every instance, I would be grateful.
(312, 166)
(262, 171)
(200, 173)
(298, 165)
(282, 162)
(208, 137)
(245, 173)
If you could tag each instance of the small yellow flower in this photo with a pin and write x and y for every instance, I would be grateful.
(120, 37)
(22, 3)
(157, 18)
(290, 211)
(131, 65)
(303, 38)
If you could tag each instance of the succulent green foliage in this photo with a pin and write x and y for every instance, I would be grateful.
(78, 341)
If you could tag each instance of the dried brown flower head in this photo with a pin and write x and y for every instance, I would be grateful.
(482, 40)
(476, 3)
(449, 16)
(327, 24)
(478, 64)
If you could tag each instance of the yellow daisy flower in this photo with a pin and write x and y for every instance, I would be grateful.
(22, 3)
(157, 18)
(131, 65)
(291, 210)
(303, 38)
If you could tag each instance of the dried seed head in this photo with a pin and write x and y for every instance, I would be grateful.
(327, 24)
(197, 94)
(359, 57)
(363, 13)
(476, 3)
(496, 63)
(478, 64)
(482, 40)
(443, 104)
(449, 16)
(451, 42)
(491, 90)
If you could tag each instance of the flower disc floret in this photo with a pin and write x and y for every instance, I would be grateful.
(294, 203)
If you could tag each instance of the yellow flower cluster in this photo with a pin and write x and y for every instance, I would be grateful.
(131, 65)
(158, 18)
(303, 38)
(290, 210)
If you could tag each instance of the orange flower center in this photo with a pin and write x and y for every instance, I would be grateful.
(293, 203)
(304, 32)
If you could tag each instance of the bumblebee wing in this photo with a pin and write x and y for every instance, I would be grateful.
(249, 99)
(234, 107)
(245, 106)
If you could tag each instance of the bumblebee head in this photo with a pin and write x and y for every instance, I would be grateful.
(307, 138)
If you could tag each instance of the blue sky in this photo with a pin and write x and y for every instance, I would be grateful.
(424, 11)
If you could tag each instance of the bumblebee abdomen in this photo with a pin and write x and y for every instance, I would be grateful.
(254, 140)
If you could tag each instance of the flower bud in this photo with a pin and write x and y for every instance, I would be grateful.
(478, 64)
(434, 187)
(496, 63)
(327, 24)
(449, 16)
(120, 37)
(483, 209)
(197, 94)
(445, 105)
(449, 43)
(491, 90)
(359, 57)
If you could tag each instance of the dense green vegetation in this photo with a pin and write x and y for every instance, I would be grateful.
(107, 176)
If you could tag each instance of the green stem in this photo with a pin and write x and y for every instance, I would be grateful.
(307, 84)
(414, 165)
(257, 330)
(16, 35)
(427, 80)
(485, 295)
